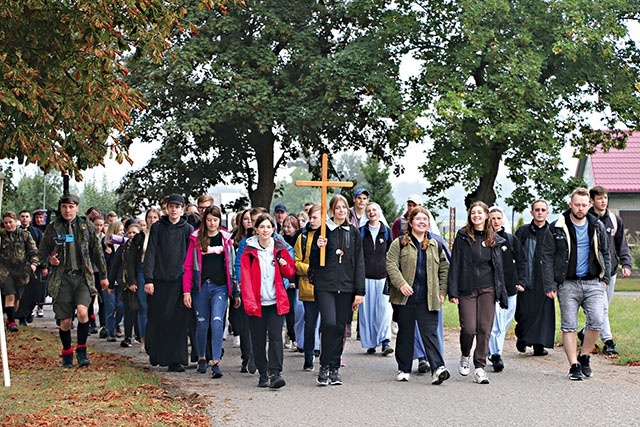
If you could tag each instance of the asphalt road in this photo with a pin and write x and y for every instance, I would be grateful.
(530, 391)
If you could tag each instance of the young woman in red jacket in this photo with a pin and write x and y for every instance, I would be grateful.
(264, 263)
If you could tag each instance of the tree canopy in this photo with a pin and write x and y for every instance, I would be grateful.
(254, 87)
(63, 97)
(513, 81)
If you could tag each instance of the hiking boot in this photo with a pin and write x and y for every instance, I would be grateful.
(215, 371)
(583, 360)
(263, 381)
(575, 372)
(276, 381)
(423, 366)
(464, 369)
(323, 376)
(610, 348)
(440, 375)
(81, 356)
(202, 366)
(334, 377)
(67, 359)
(480, 376)
(498, 364)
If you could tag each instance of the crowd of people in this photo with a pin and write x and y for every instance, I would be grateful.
(180, 281)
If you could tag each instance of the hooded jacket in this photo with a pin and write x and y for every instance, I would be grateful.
(251, 277)
(193, 264)
(460, 274)
(618, 246)
(566, 249)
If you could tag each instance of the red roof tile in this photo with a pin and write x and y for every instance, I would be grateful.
(618, 170)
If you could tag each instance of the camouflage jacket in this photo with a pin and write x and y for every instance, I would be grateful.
(18, 251)
(53, 241)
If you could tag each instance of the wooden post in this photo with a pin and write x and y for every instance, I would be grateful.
(324, 184)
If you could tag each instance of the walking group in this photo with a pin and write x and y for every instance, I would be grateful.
(183, 283)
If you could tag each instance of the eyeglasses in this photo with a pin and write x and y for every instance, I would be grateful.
(540, 210)
(201, 208)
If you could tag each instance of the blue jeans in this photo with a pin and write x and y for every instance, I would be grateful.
(142, 302)
(114, 309)
(210, 304)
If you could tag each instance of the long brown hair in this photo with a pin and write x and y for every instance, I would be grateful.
(489, 239)
(407, 234)
(203, 234)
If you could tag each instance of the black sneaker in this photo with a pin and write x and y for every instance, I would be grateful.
(581, 336)
(498, 364)
(583, 359)
(125, 343)
(371, 350)
(202, 366)
(575, 373)
(423, 366)
(81, 355)
(215, 371)
(386, 349)
(263, 381)
(323, 376)
(610, 348)
(103, 332)
(539, 350)
(111, 338)
(334, 377)
(93, 329)
(276, 381)
(521, 346)
(252, 366)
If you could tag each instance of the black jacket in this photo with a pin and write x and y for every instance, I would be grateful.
(514, 263)
(166, 250)
(336, 276)
(540, 260)
(461, 277)
(565, 256)
(618, 246)
(375, 259)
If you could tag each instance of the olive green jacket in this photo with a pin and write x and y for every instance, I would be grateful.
(401, 268)
(90, 250)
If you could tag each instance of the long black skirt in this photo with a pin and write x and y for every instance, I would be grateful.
(167, 317)
(536, 318)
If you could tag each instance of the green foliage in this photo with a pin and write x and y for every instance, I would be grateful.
(293, 78)
(377, 183)
(103, 197)
(295, 197)
(519, 224)
(634, 247)
(37, 191)
(63, 98)
(512, 82)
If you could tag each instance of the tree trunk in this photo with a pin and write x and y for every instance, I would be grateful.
(484, 191)
(263, 192)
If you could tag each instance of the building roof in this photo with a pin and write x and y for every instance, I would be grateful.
(618, 170)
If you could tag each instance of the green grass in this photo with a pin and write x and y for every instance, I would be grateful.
(623, 314)
(627, 285)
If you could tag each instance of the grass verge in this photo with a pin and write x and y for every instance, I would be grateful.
(623, 315)
(110, 392)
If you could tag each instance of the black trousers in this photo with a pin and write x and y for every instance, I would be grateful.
(269, 323)
(310, 321)
(335, 314)
(407, 316)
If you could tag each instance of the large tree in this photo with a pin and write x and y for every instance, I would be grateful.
(513, 81)
(256, 86)
(63, 96)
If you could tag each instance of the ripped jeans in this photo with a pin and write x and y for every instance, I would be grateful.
(210, 304)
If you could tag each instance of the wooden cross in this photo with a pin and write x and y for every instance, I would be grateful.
(324, 184)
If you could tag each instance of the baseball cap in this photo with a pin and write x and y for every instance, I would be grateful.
(415, 198)
(280, 207)
(176, 198)
(360, 191)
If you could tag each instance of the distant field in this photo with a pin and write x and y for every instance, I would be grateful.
(627, 285)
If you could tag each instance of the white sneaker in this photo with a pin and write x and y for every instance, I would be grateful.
(39, 312)
(236, 341)
(440, 375)
(464, 368)
(480, 376)
(403, 376)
